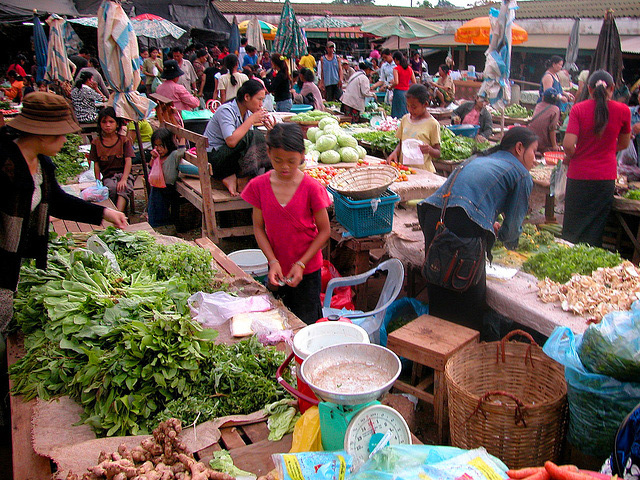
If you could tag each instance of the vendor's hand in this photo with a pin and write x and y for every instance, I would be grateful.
(496, 227)
(393, 157)
(114, 216)
(635, 129)
(121, 185)
(269, 121)
(557, 148)
(480, 139)
(426, 148)
(258, 116)
(455, 120)
(294, 277)
(275, 275)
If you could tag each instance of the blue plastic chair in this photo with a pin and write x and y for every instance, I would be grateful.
(370, 321)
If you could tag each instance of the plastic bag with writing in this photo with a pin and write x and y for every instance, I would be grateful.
(95, 193)
(597, 403)
(313, 465)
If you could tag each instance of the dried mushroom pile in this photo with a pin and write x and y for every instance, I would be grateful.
(595, 295)
(163, 457)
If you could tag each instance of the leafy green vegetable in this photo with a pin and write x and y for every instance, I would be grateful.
(222, 462)
(458, 147)
(632, 195)
(560, 262)
(283, 416)
(531, 239)
(384, 141)
(5, 105)
(612, 351)
(516, 110)
(69, 160)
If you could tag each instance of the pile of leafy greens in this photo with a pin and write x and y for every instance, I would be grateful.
(123, 344)
(69, 160)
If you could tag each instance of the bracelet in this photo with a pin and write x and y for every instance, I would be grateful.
(300, 264)
(274, 261)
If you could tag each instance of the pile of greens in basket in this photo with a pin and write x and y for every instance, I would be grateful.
(123, 345)
(559, 263)
(69, 160)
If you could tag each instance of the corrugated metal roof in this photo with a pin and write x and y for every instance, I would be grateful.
(553, 9)
(310, 9)
(630, 44)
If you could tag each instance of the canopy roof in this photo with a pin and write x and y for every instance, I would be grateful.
(21, 10)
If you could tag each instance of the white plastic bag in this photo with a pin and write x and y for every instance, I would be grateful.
(269, 103)
(411, 153)
(95, 193)
(213, 309)
(96, 245)
(559, 182)
(88, 176)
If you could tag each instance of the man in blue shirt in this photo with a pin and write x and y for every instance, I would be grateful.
(251, 58)
(331, 76)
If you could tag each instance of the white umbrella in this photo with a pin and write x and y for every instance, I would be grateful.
(58, 68)
(254, 34)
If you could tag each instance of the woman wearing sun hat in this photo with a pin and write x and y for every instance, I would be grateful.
(30, 192)
(170, 88)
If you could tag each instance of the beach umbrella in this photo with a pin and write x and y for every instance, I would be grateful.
(401, 27)
(608, 54)
(268, 30)
(153, 26)
(120, 62)
(478, 30)
(234, 37)
(253, 30)
(40, 45)
(290, 40)
(497, 69)
(327, 23)
(572, 48)
(57, 61)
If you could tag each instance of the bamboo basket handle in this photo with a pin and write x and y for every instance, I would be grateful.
(519, 413)
(501, 350)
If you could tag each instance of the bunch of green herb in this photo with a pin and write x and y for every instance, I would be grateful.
(457, 147)
(384, 141)
(531, 239)
(632, 195)
(5, 105)
(516, 110)
(559, 263)
(69, 160)
(612, 352)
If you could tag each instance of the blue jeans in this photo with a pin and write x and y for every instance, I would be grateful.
(284, 105)
(162, 206)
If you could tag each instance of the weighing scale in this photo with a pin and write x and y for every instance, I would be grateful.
(357, 422)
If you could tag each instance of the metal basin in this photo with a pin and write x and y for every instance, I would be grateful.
(378, 366)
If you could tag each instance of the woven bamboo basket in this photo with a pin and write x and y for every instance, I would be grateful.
(363, 183)
(510, 398)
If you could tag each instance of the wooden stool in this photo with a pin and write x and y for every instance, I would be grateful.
(429, 341)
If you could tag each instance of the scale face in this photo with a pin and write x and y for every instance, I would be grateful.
(368, 427)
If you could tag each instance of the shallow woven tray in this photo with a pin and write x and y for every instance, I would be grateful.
(364, 182)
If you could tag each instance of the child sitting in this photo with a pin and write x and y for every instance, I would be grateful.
(166, 156)
(111, 154)
(290, 223)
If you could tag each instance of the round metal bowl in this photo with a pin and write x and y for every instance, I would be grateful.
(356, 353)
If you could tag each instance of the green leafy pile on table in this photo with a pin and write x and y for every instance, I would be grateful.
(458, 147)
(531, 240)
(379, 140)
(123, 345)
(69, 160)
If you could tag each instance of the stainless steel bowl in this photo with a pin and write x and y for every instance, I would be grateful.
(356, 353)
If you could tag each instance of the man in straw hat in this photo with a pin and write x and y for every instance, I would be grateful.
(30, 192)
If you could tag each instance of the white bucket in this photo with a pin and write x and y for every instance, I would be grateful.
(252, 261)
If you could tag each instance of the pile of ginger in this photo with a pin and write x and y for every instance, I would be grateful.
(162, 457)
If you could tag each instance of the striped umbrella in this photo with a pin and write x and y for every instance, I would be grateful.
(57, 61)
(290, 40)
(153, 26)
(40, 45)
(120, 62)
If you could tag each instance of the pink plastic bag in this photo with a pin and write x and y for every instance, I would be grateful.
(156, 175)
(342, 296)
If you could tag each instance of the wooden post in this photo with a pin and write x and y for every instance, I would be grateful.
(145, 170)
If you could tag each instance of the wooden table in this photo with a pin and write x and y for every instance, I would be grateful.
(622, 209)
(430, 341)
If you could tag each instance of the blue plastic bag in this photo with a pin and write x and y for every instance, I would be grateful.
(396, 309)
(597, 403)
(95, 193)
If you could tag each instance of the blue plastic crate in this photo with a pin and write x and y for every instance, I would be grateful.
(358, 216)
(465, 130)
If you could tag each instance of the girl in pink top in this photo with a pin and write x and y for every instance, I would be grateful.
(290, 223)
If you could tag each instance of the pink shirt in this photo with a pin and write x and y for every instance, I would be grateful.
(472, 118)
(182, 99)
(595, 157)
(292, 228)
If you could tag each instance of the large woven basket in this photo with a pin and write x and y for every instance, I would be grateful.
(364, 182)
(510, 398)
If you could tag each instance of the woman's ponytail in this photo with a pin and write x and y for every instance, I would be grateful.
(599, 82)
(231, 62)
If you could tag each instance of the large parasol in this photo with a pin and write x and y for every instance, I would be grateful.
(401, 27)
(267, 30)
(120, 62)
(497, 68)
(572, 48)
(478, 31)
(254, 33)
(40, 45)
(234, 37)
(290, 40)
(153, 26)
(58, 68)
(608, 54)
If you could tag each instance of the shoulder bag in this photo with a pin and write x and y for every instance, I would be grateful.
(451, 261)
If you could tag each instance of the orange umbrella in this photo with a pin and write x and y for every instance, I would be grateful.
(477, 31)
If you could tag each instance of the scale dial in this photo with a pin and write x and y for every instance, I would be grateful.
(368, 427)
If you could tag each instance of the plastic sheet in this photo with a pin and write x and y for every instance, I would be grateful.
(213, 309)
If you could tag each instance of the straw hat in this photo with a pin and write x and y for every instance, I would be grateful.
(45, 113)
(171, 70)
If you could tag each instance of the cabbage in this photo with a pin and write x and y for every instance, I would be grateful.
(307, 144)
(345, 140)
(326, 142)
(349, 154)
(361, 152)
(330, 156)
(327, 121)
(312, 133)
(334, 129)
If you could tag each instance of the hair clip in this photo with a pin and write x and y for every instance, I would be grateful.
(601, 82)
(283, 58)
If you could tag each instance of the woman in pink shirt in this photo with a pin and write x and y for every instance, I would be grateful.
(598, 128)
(290, 223)
(170, 88)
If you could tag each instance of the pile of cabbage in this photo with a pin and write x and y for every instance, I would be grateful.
(328, 143)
